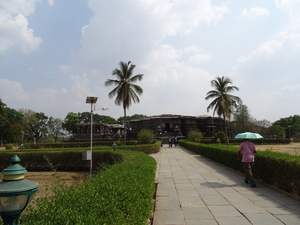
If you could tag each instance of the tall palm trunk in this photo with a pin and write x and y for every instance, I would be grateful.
(125, 127)
(225, 127)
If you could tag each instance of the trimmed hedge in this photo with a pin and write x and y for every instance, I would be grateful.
(63, 161)
(70, 159)
(120, 195)
(263, 141)
(73, 144)
(275, 168)
(148, 149)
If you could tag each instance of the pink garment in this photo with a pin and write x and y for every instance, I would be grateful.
(248, 149)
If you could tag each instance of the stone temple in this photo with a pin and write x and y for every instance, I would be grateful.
(164, 125)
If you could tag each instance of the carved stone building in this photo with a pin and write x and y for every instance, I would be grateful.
(177, 125)
(164, 125)
(100, 132)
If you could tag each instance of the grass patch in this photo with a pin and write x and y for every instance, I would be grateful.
(120, 194)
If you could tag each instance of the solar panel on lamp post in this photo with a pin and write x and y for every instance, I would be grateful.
(91, 100)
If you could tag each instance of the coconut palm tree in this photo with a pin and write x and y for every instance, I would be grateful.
(125, 91)
(223, 103)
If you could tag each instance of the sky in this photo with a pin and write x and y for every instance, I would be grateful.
(55, 53)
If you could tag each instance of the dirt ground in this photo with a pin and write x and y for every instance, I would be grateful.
(47, 179)
(292, 148)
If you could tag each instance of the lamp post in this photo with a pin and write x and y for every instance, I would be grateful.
(15, 192)
(91, 100)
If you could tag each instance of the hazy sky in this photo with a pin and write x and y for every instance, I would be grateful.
(55, 53)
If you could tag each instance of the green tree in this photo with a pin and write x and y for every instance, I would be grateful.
(10, 126)
(29, 118)
(2, 120)
(40, 126)
(70, 122)
(2, 110)
(276, 131)
(223, 103)
(291, 125)
(137, 116)
(85, 117)
(104, 119)
(121, 120)
(221, 136)
(55, 128)
(125, 91)
(194, 135)
(241, 117)
(261, 126)
(145, 136)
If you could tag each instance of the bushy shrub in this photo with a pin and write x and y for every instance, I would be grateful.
(120, 195)
(146, 136)
(221, 135)
(26, 146)
(9, 146)
(194, 135)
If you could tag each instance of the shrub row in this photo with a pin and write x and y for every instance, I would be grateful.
(122, 194)
(148, 149)
(63, 161)
(74, 144)
(263, 141)
(277, 169)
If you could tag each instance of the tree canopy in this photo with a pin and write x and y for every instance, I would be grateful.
(125, 91)
(223, 102)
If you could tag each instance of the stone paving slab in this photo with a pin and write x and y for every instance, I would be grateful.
(193, 190)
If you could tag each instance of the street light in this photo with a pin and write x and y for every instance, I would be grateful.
(91, 100)
(15, 192)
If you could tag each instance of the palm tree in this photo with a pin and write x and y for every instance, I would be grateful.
(125, 91)
(223, 103)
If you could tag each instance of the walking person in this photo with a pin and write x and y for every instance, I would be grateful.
(175, 141)
(170, 142)
(248, 149)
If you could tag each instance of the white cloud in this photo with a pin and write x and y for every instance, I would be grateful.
(195, 55)
(265, 49)
(64, 68)
(16, 7)
(288, 5)
(254, 13)
(178, 16)
(291, 87)
(12, 91)
(14, 27)
(141, 27)
(51, 2)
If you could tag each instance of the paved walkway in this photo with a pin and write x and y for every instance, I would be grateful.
(193, 190)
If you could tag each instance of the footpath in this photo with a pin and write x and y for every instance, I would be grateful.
(193, 190)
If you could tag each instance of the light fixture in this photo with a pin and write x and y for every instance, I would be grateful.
(15, 192)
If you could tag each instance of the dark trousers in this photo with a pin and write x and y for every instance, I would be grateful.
(248, 172)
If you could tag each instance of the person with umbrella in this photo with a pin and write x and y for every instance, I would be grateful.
(248, 149)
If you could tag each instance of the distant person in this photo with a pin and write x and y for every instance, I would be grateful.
(248, 149)
(175, 141)
(170, 142)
